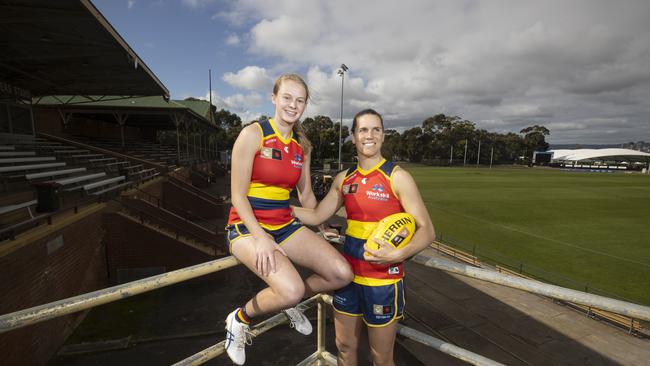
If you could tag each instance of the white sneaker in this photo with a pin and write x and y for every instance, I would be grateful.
(298, 321)
(237, 337)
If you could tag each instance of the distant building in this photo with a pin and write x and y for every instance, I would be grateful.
(613, 159)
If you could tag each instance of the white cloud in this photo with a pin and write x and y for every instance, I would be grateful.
(251, 78)
(233, 40)
(503, 64)
(130, 3)
(195, 4)
(246, 106)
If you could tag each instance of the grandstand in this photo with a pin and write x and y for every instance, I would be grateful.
(92, 201)
(603, 159)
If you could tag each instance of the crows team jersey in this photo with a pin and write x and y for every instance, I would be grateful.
(277, 167)
(368, 197)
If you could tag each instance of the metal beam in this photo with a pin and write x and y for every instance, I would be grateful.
(445, 347)
(74, 304)
(578, 297)
(218, 349)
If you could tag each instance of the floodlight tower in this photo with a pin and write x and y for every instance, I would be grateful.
(341, 73)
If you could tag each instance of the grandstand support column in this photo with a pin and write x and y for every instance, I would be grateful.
(11, 126)
(187, 138)
(31, 116)
(178, 119)
(65, 118)
(121, 120)
(178, 146)
(200, 145)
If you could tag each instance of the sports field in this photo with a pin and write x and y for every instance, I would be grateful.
(570, 228)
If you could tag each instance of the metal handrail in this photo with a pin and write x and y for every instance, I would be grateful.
(174, 178)
(219, 348)
(85, 301)
(437, 344)
(158, 202)
(10, 232)
(70, 305)
(179, 229)
(578, 297)
(159, 167)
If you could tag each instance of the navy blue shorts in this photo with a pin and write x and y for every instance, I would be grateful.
(236, 231)
(378, 305)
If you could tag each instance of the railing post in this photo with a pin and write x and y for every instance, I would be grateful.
(320, 340)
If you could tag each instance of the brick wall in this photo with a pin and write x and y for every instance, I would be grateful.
(66, 263)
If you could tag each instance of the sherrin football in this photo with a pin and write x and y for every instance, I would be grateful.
(396, 229)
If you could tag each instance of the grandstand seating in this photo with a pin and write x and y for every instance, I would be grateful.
(140, 149)
(80, 168)
(78, 173)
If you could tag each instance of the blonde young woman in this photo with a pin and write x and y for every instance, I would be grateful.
(372, 190)
(269, 159)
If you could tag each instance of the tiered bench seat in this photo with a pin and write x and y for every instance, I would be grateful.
(19, 168)
(54, 173)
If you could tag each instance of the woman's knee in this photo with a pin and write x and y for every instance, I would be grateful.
(345, 346)
(382, 357)
(291, 292)
(342, 273)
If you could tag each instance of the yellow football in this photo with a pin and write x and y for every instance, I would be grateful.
(396, 229)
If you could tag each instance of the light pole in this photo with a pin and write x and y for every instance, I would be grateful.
(341, 73)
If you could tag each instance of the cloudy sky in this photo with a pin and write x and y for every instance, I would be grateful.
(581, 68)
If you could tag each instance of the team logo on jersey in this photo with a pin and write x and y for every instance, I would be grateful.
(286, 149)
(381, 309)
(393, 270)
(271, 153)
(297, 161)
(266, 153)
(377, 193)
(350, 188)
(363, 180)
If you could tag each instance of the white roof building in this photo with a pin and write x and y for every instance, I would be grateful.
(599, 154)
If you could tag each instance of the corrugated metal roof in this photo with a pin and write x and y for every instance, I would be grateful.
(592, 154)
(68, 47)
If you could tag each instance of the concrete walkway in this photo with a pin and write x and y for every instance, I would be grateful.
(512, 326)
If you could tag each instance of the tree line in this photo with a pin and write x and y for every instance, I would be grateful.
(440, 140)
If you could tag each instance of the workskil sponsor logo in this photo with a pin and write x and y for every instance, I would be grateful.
(297, 161)
(377, 193)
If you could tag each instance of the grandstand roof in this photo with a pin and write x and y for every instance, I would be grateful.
(201, 107)
(68, 47)
(151, 111)
(593, 154)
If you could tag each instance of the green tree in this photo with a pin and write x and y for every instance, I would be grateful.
(230, 125)
(534, 140)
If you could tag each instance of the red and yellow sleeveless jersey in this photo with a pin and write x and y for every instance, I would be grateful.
(368, 197)
(277, 167)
